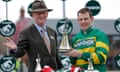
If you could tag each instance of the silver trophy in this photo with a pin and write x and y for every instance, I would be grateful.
(64, 28)
(64, 45)
(38, 65)
(90, 66)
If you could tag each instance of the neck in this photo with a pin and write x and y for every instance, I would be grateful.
(84, 31)
(40, 25)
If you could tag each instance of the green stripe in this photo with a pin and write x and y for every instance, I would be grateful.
(102, 50)
(101, 58)
(102, 45)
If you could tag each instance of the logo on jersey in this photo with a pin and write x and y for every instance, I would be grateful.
(84, 43)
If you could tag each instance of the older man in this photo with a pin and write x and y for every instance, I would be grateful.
(37, 40)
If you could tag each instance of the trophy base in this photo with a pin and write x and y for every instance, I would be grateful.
(64, 50)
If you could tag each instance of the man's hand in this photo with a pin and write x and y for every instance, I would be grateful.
(10, 44)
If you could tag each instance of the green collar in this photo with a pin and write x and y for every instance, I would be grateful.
(87, 31)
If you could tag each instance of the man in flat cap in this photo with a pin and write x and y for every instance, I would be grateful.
(38, 40)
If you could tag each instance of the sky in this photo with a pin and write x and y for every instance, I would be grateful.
(109, 8)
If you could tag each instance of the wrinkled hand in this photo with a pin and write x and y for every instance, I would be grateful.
(10, 44)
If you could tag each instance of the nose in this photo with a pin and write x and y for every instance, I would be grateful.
(40, 14)
(82, 21)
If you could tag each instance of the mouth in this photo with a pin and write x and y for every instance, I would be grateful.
(41, 18)
(84, 25)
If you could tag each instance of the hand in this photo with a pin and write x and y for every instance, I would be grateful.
(10, 44)
(73, 53)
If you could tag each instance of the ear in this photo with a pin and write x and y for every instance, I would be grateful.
(46, 14)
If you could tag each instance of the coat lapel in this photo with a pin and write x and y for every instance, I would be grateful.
(36, 33)
(52, 40)
(39, 39)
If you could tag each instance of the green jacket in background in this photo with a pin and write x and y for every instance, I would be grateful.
(93, 43)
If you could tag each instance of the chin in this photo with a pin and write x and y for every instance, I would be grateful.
(83, 28)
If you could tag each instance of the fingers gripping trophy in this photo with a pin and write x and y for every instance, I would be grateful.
(64, 28)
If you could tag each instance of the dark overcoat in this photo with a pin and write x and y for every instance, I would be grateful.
(31, 42)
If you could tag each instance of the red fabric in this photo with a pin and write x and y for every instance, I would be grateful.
(47, 69)
(76, 69)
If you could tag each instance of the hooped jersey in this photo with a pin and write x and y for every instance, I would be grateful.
(93, 43)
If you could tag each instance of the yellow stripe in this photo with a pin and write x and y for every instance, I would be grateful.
(90, 49)
(104, 56)
(81, 62)
(95, 58)
(103, 45)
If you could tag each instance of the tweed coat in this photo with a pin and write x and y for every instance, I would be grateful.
(31, 42)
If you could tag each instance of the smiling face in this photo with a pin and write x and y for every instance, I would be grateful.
(85, 18)
(40, 17)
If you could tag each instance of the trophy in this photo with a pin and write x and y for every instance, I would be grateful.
(64, 27)
(38, 66)
(90, 66)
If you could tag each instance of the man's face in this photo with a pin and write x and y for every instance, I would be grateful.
(85, 20)
(40, 17)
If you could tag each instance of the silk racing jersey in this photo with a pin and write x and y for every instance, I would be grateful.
(92, 43)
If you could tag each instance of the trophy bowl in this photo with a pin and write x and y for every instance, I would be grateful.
(64, 46)
(64, 28)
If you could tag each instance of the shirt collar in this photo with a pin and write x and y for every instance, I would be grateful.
(88, 30)
(39, 28)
